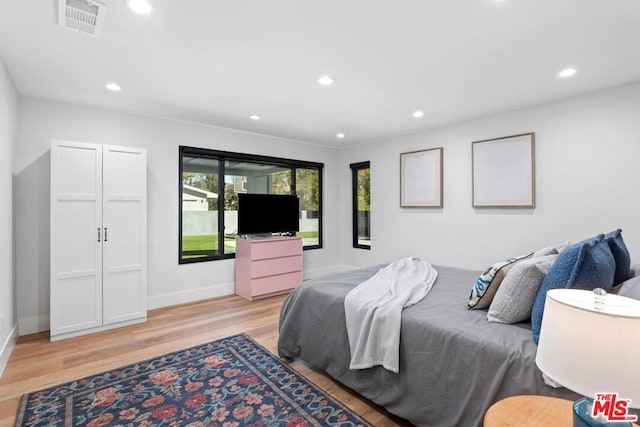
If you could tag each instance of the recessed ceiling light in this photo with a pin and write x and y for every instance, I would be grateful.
(340, 135)
(567, 72)
(113, 87)
(418, 113)
(139, 6)
(254, 117)
(326, 80)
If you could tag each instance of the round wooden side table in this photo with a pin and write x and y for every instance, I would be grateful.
(530, 411)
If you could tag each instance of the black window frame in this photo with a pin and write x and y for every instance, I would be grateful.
(223, 157)
(355, 167)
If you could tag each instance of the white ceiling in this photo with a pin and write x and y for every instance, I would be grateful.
(217, 62)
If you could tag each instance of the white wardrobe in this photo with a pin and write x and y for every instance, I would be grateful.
(98, 237)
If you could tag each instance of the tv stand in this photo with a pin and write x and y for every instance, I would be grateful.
(267, 266)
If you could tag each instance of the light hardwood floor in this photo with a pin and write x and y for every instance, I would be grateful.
(37, 363)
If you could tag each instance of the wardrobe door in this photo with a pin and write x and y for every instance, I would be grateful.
(125, 234)
(76, 234)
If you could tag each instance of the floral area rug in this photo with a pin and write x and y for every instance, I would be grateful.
(230, 382)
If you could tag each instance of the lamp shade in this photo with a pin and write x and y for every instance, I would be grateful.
(590, 348)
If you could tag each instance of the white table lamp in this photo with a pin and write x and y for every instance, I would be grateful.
(590, 344)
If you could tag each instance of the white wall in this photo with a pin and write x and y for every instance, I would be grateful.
(8, 126)
(169, 282)
(587, 178)
(587, 154)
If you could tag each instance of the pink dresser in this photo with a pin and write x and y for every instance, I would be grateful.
(267, 266)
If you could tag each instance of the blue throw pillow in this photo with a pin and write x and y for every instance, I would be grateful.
(620, 255)
(586, 265)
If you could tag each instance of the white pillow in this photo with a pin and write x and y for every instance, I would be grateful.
(629, 288)
(551, 250)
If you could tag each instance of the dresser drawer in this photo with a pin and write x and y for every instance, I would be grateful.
(273, 266)
(275, 284)
(275, 248)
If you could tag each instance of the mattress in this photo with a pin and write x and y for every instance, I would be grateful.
(453, 363)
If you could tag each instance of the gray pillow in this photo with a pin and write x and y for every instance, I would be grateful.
(634, 270)
(629, 288)
(514, 299)
(550, 250)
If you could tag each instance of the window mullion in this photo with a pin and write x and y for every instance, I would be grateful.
(293, 181)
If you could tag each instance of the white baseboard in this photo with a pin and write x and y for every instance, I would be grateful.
(32, 325)
(7, 348)
(97, 329)
(191, 295)
(324, 271)
(224, 289)
(345, 268)
(339, 268)
(40, 323)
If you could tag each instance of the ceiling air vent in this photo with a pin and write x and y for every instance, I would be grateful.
(84, 16)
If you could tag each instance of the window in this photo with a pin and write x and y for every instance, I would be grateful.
(199, 213)
(361, 194)
(209, 185)
(308, 190)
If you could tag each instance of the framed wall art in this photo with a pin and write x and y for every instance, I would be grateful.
(504, 172)
(421, 178)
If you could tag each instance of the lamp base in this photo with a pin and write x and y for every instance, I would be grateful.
(582, 416)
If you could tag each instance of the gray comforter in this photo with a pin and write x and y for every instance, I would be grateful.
(453, 363)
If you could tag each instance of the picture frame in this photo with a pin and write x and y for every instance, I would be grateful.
(503, 172)
(421, 178)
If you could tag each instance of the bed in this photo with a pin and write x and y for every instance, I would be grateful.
(453, 363)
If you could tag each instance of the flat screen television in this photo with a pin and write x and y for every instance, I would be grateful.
(267, 213)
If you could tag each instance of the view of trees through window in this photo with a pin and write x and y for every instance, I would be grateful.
(205, 234)
(361, 193)
(308, 192)
(199, 207)
(281, 182)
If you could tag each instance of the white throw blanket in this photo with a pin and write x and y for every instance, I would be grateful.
(373, 311)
